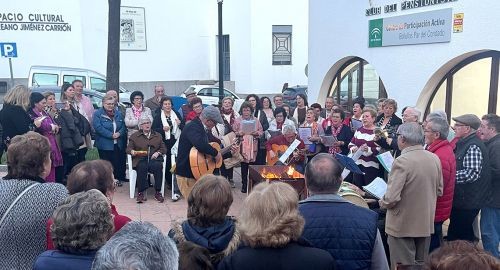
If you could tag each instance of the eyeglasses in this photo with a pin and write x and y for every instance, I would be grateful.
(197, 106)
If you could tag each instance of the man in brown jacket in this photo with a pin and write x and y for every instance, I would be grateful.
(147, 149)
(414, 183)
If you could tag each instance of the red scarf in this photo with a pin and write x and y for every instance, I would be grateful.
(335, 133)
(230, 112)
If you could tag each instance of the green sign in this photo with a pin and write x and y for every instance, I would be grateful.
(375, 33)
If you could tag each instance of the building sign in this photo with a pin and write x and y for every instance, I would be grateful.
(419, 28)
(17, 21)
(458, 23)
(132, 29)
(410, 4)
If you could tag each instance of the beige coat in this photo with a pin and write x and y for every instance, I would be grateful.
(414, 183)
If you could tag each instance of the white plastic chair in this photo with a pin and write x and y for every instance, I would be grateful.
(132, 175)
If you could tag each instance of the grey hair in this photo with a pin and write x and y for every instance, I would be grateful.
(440, 125)
(437, 114)
(414, 112)
(82, 222)
(412, 133)
(289, 129)
(323, 174)
(137, 246)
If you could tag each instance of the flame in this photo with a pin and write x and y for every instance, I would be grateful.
(268, 175)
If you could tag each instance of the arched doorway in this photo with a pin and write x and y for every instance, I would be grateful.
(356, 78)
(469, 85)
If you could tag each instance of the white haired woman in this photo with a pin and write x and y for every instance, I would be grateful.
(270, 226)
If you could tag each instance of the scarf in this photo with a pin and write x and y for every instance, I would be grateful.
(137, 112)
(229, 112)
(174, 128)
(110, 114)
(335, 132)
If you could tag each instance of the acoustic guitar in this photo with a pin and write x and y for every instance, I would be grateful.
(202, 164)
(278, 151)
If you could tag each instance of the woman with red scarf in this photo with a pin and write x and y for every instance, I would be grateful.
(228, 115)
(333, 125)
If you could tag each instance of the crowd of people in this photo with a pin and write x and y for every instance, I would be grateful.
(434, 177)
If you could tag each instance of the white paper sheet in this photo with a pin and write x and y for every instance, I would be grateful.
(377, 188)
(305, 133)
(386, 159)
(289, 151)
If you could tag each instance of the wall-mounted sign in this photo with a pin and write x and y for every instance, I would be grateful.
(391, 8)
(33, 22)
(133, 29)
(410, 4)
(373, 11)
(458, 23)
(419, 28)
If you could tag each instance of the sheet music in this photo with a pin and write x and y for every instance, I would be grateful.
(377, 188)
(386, 159)
(289, 151)
(305, 133)
(248, 126)
(356, 123)
(328, 140)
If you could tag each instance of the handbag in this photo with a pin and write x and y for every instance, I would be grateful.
(15, 201)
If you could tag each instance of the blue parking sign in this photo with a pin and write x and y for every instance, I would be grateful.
(8, 49)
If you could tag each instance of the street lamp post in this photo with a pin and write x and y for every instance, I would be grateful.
(221, 67)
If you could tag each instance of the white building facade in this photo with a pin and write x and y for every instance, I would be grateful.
(180, 41)
(433, 54)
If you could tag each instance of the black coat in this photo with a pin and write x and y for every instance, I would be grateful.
(294, 256)
(70, 136)
(493, 146)
(15, 121)
(193, 135)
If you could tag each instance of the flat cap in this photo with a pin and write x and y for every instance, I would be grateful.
(189, 92)
(470, 120)
(212, 113)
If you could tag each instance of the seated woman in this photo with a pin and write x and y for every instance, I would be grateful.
(276, 125)
(281, 143)
(82, 224)
(271, 226)
(208, 224)
(147, 150)
(26, 201)
(92, 174)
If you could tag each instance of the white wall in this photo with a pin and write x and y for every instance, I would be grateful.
(340, 28)
(181, 41)
(250, 27)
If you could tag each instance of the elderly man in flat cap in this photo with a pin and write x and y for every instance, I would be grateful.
(472, 178)
(195, 135)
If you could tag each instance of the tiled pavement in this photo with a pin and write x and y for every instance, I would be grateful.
(162, 214)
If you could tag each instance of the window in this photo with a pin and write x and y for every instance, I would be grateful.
(71, 78)
(96, 101)
(370, 87)
(98, 84)
(469, 87)
(44, 79)
(206, 92)
(282, 44)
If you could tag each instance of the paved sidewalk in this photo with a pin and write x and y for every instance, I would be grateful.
(162, 214)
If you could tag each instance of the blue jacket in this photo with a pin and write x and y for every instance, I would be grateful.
(103, 126)
(346, 231)
(55, 260)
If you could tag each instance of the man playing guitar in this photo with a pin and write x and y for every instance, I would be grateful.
(277, 145)
(195, 134)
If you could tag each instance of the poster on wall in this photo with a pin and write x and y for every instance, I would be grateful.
(132, 29)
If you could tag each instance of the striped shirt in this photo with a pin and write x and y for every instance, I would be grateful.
(368, 158)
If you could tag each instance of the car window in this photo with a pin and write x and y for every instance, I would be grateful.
(97, 84)
(205, 92)
(44, 79)
(229, 94)
(71, 78)
(96, 100)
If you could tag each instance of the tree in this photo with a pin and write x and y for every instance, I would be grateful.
(113, 64)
